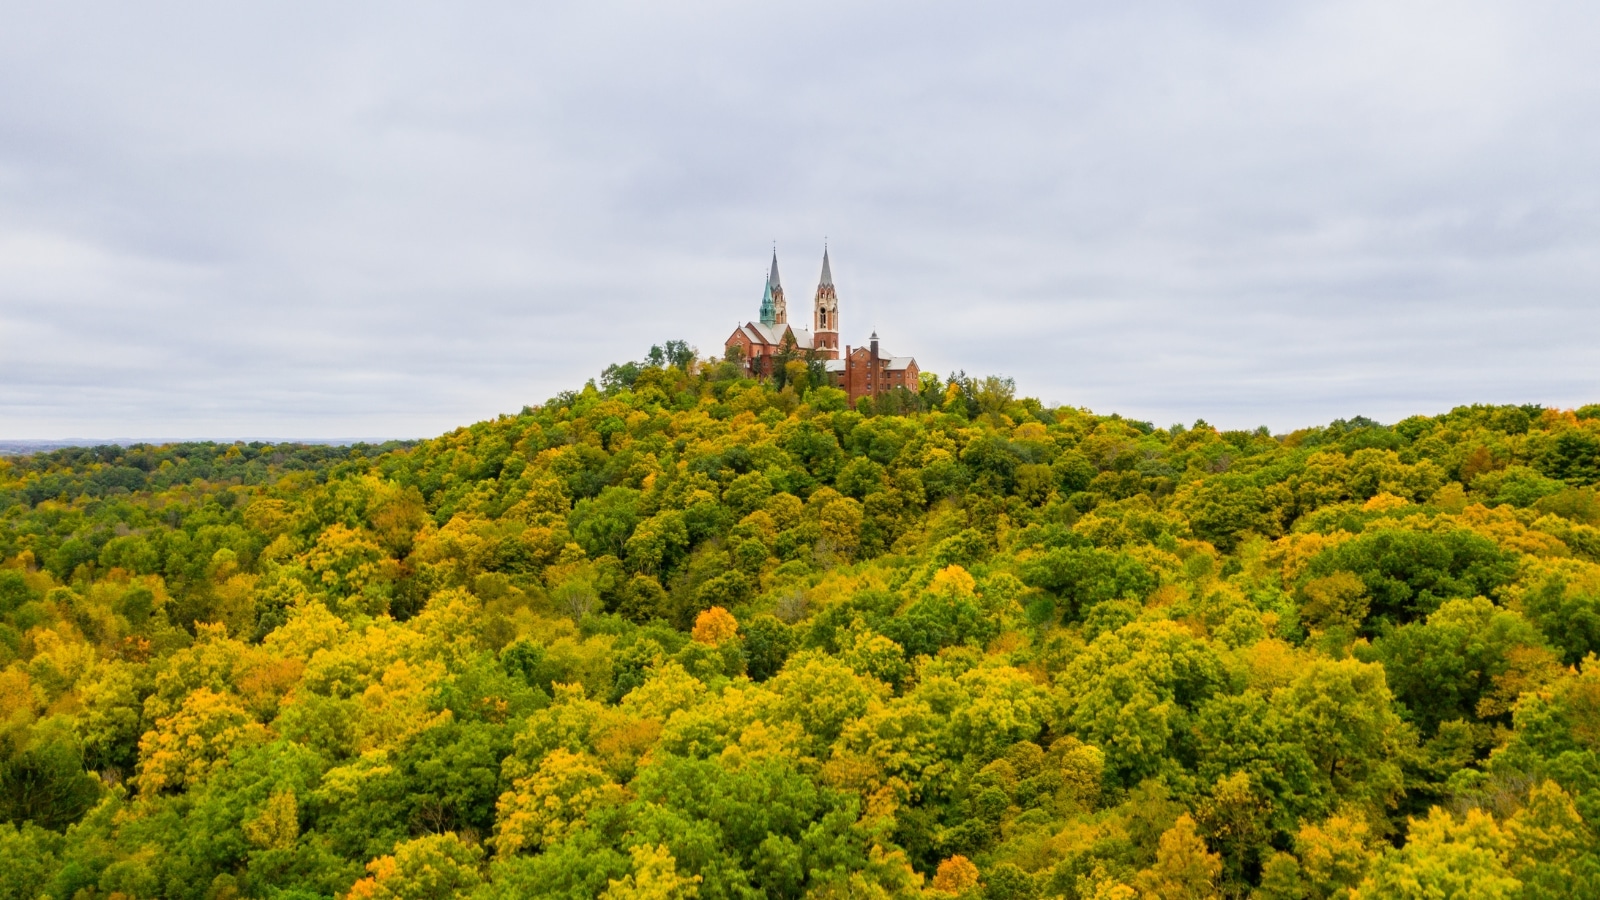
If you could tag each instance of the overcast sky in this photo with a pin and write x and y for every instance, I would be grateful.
(390, 219)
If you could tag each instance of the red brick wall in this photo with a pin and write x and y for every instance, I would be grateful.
(855, 380)
(860, 379)
(752, 353)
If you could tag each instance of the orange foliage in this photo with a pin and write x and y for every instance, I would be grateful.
(955, 875)
(715, 627)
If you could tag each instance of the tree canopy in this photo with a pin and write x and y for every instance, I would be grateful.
(682, 634)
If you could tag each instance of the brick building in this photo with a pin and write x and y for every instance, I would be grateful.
(869, 371)
(763, 345)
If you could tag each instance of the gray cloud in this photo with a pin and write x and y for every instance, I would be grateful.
(390, 219)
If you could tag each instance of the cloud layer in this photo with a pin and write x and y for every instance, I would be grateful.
(390, 219)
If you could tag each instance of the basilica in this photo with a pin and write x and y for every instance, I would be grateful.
(761, 346)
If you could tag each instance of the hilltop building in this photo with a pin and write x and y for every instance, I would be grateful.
(763, 345)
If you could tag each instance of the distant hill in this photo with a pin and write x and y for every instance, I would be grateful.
(25, 448)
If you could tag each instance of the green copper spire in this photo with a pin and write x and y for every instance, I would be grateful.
(769, 310)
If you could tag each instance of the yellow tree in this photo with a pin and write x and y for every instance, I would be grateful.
(188, 745)
(429, 868)
(1184, 869)
(654, 877)
(278, 826)
(1330, 860)
(1446, 857)
(1549, 844)
(544, 807)
(841, 526)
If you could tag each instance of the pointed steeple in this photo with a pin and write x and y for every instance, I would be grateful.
(780, 306)
(769, 311)
(825, 311)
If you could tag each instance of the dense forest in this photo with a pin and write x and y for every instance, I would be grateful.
(681, 634)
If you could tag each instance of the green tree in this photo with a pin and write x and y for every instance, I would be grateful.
(1083, 577)
(1409, 573)
(1468, 659)
(1133, 692)
(46, 785)
(603, 525)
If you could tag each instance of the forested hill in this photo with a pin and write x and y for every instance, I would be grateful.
(684, 635)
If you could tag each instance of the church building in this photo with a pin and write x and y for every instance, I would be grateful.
(760, 347)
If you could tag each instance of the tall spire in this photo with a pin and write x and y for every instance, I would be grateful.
(769, 311)
(780, 306)
(825, 312)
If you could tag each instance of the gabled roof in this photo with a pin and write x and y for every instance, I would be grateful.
(761, 332)
(889, 360)
(772, 335)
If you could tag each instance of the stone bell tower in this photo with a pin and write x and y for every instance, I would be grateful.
(825, 316)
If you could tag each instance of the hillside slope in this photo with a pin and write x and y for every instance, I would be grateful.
(695, 636)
